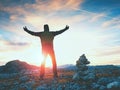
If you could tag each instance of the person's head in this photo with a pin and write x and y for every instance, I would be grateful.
(46, 27)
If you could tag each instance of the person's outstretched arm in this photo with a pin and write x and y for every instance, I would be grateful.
(31, 32)
(61, 31)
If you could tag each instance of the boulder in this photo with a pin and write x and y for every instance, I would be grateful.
(113, 85)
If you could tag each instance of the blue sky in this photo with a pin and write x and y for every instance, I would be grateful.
(94, 30)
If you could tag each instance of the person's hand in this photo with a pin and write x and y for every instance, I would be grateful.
(25, 28)
(67, 27)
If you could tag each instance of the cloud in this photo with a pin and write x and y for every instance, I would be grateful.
(112, 22)
(48, 11)
(41, 6)
(38, 21)
(55, 5)
(109, 51)
(42, 11)
(97, 17)
(115, 62)
(7, 45)
(17, 44)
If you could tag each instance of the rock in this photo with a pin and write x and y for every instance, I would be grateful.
(7, 76)
(76, 76)
(30, 83)
(24, 79)
(76, 86)
(5, 84)
(83, 60)
(82, 69)
(114, 85)
(90, 76)
(24, 87)
(2, 87)
(61, 75)
(60, 87)
(102, 87)
(107, 70)
(95, 86)
(16, 83)
(42, 88)
(104, 81)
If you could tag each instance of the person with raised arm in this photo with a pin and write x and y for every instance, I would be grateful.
(47, 38)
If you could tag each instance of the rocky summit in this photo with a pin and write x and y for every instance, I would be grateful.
(90, 78)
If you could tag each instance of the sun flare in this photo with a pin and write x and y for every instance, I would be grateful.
(48, 62)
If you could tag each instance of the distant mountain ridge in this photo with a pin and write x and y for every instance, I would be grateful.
(67, 66)
(16, 66)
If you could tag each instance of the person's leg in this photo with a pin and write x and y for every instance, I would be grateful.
(52, 55)
(42, 69)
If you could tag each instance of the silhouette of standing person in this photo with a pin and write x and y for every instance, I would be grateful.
(47, 46)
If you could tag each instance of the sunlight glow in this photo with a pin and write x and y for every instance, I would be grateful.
(48, 62)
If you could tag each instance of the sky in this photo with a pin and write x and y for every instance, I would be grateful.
(94, 30)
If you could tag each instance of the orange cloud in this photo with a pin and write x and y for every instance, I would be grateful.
(48, 6)
(43, 12)
(55, 5)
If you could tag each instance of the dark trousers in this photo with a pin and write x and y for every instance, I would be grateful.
(52, 55)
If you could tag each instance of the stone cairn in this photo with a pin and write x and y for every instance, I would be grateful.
(82, 69)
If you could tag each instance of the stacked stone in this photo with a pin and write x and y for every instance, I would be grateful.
(82, 68)
(81, 63)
